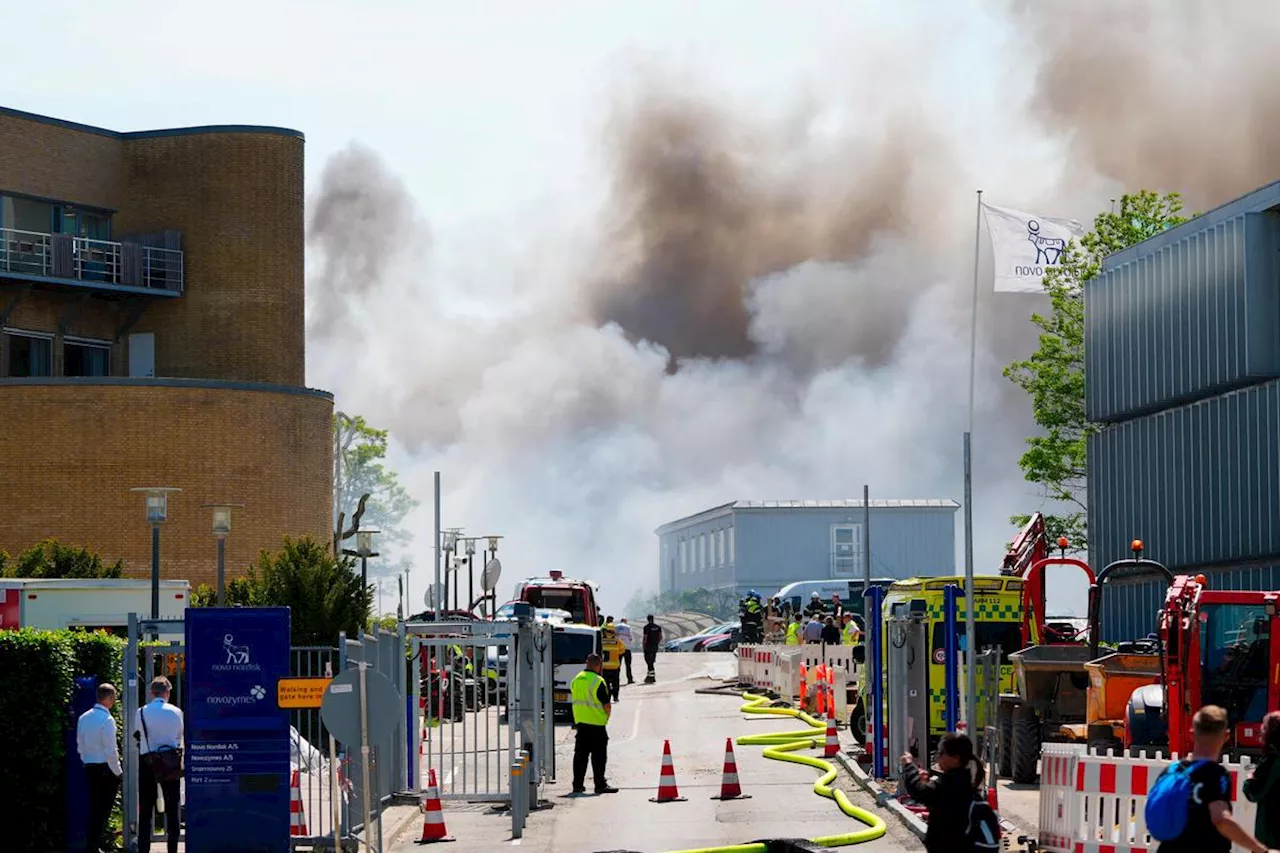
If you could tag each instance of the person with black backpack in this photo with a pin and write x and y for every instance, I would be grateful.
(960, 821)
(1189, 806)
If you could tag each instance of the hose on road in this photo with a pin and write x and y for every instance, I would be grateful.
(782, 746)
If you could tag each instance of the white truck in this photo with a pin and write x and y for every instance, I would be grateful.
(98, 603)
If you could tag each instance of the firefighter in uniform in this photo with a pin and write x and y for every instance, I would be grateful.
(611, 652)
(591, 710)
(751, 616)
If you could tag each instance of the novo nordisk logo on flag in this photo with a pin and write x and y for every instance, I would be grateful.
(1025, 245)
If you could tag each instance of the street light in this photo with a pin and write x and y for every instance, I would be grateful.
(221, 530)
(492, 590)
(157, 514)
(470, 544)
(448, 544)
(364, 550)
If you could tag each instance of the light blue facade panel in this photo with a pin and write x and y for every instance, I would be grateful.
(1130, 608)
(1198, 484)
(1192, 318)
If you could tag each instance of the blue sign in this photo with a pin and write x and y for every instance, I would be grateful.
(237, 758)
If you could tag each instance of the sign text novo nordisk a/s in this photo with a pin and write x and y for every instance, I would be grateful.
(301, 692)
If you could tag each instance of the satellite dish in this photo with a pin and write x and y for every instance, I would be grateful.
(429, 598)
(492, 571)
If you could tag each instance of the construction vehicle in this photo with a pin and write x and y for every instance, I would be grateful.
(1049, 684)
(1216, 647)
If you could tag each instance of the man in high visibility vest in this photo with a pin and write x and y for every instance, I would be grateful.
(591, 711)
(793, 631)
(852, 636)
(612, 650)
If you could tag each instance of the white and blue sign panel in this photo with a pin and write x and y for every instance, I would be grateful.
(237, 759)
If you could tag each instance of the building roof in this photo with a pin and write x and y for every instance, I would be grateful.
(849, 503)
(1263, 198)
(148, 134)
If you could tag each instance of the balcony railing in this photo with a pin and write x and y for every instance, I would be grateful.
(130, 264)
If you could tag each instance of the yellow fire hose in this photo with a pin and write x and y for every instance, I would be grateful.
(781, 746)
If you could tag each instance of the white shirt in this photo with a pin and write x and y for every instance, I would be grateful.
(96, 738)
(164, 726)
(623, 632)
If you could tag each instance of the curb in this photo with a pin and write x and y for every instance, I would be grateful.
(395, 827)
(882, 797)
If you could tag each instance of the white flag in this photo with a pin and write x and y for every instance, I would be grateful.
(1024, 245)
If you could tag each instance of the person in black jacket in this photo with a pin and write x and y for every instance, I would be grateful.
(947, 795)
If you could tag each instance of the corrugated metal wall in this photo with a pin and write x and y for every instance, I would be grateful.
(1198, 484)
(1196, 317)
(1129, 608)
(777, 547)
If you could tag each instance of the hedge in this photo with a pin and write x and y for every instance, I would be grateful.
(37, 678)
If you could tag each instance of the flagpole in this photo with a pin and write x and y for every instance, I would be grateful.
(970, 629)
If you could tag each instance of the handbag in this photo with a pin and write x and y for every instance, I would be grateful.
(166, 762)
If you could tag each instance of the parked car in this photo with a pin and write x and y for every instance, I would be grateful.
(686, 644)
(721, 642)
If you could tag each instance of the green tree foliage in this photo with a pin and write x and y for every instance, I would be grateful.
(322, 593)
(720, 603)
(1053, 376)
(51, 559)
(362, 453)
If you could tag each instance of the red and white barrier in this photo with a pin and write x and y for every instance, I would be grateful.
(1097, 803)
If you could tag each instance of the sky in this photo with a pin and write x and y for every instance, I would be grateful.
(620, 261)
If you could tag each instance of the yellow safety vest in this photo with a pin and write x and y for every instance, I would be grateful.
(587, 709)
(793, 634)
(611, 653)
(851, 633)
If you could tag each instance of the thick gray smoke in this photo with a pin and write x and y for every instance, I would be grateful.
(761, 311)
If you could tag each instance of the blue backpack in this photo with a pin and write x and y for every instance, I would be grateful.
(1169, 800)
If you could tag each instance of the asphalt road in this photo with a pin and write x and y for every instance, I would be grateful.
(782, 805)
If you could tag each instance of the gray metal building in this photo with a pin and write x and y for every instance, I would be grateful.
(1182, 365)
(768, 544)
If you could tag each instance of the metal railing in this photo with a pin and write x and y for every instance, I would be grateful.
(84, 259)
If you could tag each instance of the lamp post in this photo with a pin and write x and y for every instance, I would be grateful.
(493, 555)
(364, 550)
(157, 514)
(221, 530)
(448, 544)
(470, 545)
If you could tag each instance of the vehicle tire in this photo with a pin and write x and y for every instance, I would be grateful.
(1004, 752)
(1026, 747)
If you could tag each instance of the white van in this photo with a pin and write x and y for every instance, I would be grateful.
(570, 645)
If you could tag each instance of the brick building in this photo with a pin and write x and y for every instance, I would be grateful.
(152, 334)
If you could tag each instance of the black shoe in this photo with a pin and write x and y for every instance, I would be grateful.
(579, 789)
(606, 789)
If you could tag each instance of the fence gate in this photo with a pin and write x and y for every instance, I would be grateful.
(483, 695)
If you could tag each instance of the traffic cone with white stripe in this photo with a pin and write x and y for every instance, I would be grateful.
(833, 741)
(729, 787)
(667, 790)
(433, 815)
(297, 814)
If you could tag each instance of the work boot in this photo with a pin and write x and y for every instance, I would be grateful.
(606, 789)
(579, 789)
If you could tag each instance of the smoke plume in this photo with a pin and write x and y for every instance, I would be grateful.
(765, 307)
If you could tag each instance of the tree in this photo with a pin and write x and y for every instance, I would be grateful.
(1053, 376)
(52, 559)
(322, 592)
(367, 493)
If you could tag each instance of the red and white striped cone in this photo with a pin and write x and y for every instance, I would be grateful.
(729, 787)
(297, 814)
(433, 815)
(833, 741)
(667, 790)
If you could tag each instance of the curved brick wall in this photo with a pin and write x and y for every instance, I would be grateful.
(73, 448)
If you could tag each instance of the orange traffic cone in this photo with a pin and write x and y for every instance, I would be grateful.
(729, 787)
(833, 741)
(297, 815)
(667, 791)
(433, 815)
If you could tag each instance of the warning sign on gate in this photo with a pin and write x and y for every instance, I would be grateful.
(301, 692)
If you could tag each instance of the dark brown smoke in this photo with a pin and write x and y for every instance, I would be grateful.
(1160, 95)
(705, 201)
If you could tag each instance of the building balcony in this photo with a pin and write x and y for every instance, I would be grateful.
(63, 260)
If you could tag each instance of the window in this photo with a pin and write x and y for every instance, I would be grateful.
(86, 358)
(29, 355)
(684, 556)
(846, 548)
(731, 529)
(720, 547)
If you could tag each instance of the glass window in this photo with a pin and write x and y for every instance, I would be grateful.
(29, 355)
(1235, 642)
(86, 359)
(684, 555)
(846, 548)
(720, 548)
(731, 529)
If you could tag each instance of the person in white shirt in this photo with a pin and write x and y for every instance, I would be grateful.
(624, 634)
(157, 727)
(100, 754)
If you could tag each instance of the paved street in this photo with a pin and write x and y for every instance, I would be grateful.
(783, 803)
